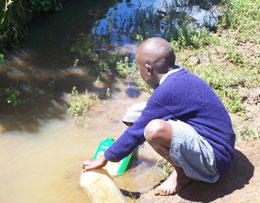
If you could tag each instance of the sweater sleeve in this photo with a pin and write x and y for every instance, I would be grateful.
(134, 135)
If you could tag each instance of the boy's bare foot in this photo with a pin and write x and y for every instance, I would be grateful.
(173, 184)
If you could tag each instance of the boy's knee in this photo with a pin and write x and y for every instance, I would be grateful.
(154, 130)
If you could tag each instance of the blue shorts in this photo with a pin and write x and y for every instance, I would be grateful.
(192, 153)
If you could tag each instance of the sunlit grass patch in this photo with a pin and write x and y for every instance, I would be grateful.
(243, 17)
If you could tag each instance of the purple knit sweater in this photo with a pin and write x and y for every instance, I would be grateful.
(186, 97)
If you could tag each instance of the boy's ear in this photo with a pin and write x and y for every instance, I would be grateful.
(148, 68)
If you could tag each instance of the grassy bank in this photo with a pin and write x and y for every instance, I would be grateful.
(228, 60)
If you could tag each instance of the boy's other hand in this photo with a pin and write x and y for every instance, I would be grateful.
(94, 164)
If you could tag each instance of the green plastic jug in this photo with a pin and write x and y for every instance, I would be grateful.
(113, 168)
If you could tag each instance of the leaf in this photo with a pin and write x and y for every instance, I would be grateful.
(2, 58)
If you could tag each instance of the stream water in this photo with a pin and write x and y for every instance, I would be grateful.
(41, 148)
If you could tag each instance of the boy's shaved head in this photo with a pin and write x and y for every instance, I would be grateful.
(154, 58)
(156, 52)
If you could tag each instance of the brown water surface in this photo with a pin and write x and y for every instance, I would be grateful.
(45, 166)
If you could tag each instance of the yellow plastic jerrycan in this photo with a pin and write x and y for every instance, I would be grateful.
(100, 187)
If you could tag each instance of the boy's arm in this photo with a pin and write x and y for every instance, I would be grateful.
(134, 136)
(130, 139)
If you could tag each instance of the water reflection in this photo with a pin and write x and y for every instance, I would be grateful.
(72, 48)
(154, 18)
(42, 68)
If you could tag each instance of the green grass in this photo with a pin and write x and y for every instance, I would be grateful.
(243, 17)
(233, 64)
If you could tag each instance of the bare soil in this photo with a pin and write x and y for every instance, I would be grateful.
(240, 184)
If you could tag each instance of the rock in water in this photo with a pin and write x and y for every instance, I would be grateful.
(100, 187)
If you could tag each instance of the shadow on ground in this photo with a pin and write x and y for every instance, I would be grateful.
(236, 178)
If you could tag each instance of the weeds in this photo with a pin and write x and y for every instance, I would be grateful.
(108, 93)
(129, 70)
(245, 133)
(167, 168)
(242, 16)
(80, 104)
(191, 37)
(2, 61)
(111, 116)
(11, 94)
(125, 68)
(233, 55)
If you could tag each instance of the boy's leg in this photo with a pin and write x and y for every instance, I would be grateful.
(158, 134)
(190, 154)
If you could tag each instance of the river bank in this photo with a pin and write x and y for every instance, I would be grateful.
(239, 184)
(94, 50)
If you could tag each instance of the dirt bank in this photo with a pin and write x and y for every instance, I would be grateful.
(240, 184)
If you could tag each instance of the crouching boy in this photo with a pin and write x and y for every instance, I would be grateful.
(183, 120)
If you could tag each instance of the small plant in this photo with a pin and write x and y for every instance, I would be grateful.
(164, 166)
(167, 168)
(12, 95)
(80, 104)
(2, 61)
(108, 93)
(111, 116)
(129, 70)
(233, 55)
(75, 63)
(245, 133)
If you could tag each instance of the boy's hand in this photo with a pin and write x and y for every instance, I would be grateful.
(94, 164)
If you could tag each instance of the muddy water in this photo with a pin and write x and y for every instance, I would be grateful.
(41, 148)
(45, 166)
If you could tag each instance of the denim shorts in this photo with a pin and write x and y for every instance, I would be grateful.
(192, 153)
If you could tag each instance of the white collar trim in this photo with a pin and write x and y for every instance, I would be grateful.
(169, 73)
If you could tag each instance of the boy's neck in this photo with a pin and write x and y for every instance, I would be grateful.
(164, 76)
